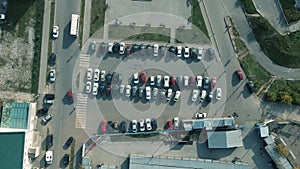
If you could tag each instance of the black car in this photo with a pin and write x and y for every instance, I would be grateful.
(251, 87)
(154, 124)
(142, 48)
(66, 159)
(123, 127)
(52, 59)
(134, 90)
(68, 142)
(135, 48)
(49, 140)
(108, 90)
(113, 125)
(149, 49)
(101, 88)
(162, 50)
(116, 47)
(43, 111)
(193, 53)
(109, 78)
(172, 50)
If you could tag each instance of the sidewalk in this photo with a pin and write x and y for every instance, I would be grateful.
(86, 21)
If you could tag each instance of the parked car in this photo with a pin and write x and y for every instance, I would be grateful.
(148, 92)
(213, 82)
(68, 142)
(186, 80)
(128, 49)
(163, 93)
(66, 159)
(93, 46)
(210, 96)
(121, 89)
(239, 74)
(120, 78)
(102, 88)
(155, 91)
(49, 98)
(162, 50)
(173, 80)
(102, 75)
(88, 87)
(143, 77)
(109, 78)
(134, 90)
(192, 81)
(166, 81)
(128, 89)
(186, 52)
(152, 81)
(172, 50)
(142, 48)
(89, 74)
(148, 124)
(103, 126)
(200, 53)
(135, 48)
(176, 122)
(154, 124)
(42, 111)
(110, 47)
(158, 80)
(116, 47)
(122, 48)
(49, 140)
(113, 125)
(169, 94)
(49, 157)
(179, 81)
(96, 75)
(123, 127)
(149, 49)
(95, 88)
(142, 124)
(203, 95)
(134, 126)
(141, 92)
(55, 31)
(135, 78)
(52, 59)
(155, 50)
(47, 118)
(70, 96)
(193, 54)
(200, 115)
(211, 52)
(177, 95)
(206, 83)
(52, 75)
(218, 93)
(108, 90)
(195, 94)
(179, 51)
(199, 81)
(251, 87)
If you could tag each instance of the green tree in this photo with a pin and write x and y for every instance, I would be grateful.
(271, 96)
(285, 98)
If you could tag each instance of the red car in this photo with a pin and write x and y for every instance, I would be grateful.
(128, 50)
(143, 77)
(70, 96)
(240, 74)
(169, 124)
(173, 80)
(213, 82)
(103, 126)
(108, 90)
(192, 81)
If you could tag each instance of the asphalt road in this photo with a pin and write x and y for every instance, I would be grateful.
(67, 51)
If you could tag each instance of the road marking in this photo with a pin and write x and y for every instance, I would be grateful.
(84, 61)
(81, 111)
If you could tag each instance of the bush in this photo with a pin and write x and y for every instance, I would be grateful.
(271, 96)
(284, 151)
(249, 6)
(291, 13)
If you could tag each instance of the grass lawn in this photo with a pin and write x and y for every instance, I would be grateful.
(139, 33)
(249, 6)
(254, 71)
(197, 18)
(291, 13)
(282, 49)
(97, 15)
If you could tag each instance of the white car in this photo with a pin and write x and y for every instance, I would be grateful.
(122, 48)
(199, 81)
(200, 53)
(179, 51)
(155, 91)
(176, 122)
(136, 78)
(203, 95)
(166, 81)
(169, 94)
(148, 92)
(102, 75)
(177, 95)
(89, 74)
(148, 124)
(55, 31)
(110, 47)
(49, 157)
(155, 53)
(88, 87)
(186, 81)
(152, 80)
(200, 115)
(128, 88)
(186, 52)
(210, 96)
(52, 75)
(121, 89)
(134, 126)
(96, 75)
(142, 124)
(163, 93)
(195, 95)
(95, 88)
(158, 80)
(218, 93)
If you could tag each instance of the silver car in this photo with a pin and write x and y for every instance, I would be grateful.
(155, 91)
(122, 87)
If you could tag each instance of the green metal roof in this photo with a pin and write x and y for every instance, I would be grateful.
(15, 115)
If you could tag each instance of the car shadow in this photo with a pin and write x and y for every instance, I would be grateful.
(246, 93)
(67, 38)
(66, 100)
(234, 80)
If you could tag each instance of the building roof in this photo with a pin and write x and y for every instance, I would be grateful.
(225, 139)
(208, 123)
(264, 131)
(12, 150)
(138, 162)
(15, 115)
(297, 4)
